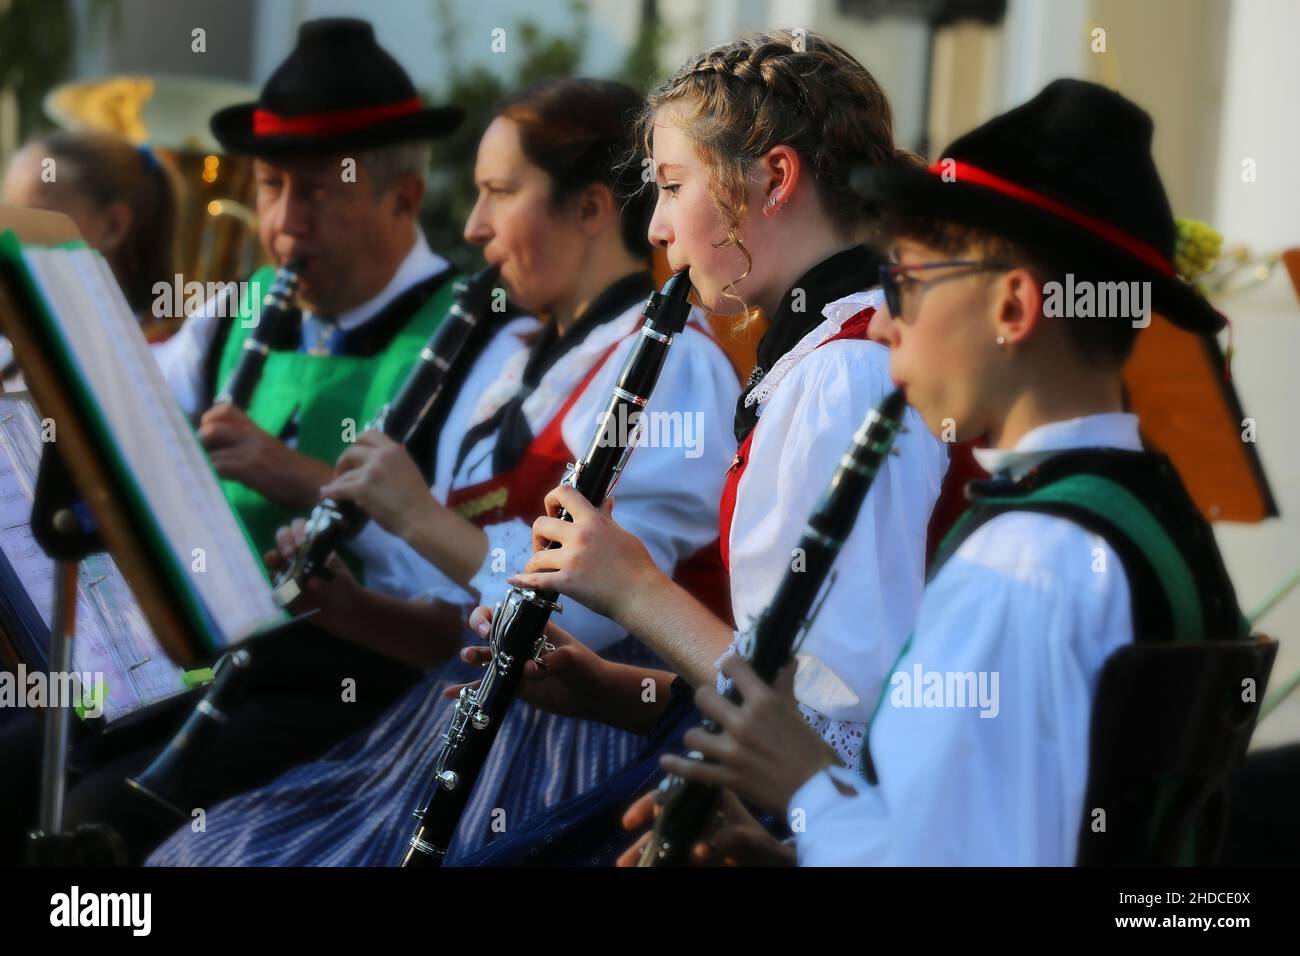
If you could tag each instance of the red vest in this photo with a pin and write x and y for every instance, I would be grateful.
(854, 328)
(521, 493)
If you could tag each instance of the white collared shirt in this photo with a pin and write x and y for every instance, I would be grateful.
(1031, 605)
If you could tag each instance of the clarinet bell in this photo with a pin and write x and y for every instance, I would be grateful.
(166, 780)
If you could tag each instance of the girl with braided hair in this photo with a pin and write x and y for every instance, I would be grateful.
(753, 147)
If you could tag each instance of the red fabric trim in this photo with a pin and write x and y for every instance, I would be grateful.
(727, 506)
(855, 328)
(266, 123)
(1112, 234)
(539, 469)
(952, 503)
(704, 576)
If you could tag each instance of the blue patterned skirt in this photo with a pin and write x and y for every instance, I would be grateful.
(352, 807)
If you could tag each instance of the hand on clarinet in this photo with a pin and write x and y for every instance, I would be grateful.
(737, 839)
(330, 594)
(597, 563)
(379, 476)
(241, 451)
(764, 750)
(564, 681)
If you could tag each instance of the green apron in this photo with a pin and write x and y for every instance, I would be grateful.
(333, 397)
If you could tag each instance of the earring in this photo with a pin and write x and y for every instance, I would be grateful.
(770, 203)
(1002, 341)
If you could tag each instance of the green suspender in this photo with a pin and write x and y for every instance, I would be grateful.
(1115, 505)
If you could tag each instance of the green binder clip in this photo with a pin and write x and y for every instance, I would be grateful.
(197, 677)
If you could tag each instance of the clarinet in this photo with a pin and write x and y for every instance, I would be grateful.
(165, 780)
(275, 312)
(332, 522)
(521, 616)
(686, 806)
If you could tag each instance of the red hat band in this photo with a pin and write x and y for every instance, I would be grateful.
(266, 123)
(964, 172)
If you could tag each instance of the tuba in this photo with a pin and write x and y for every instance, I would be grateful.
(217, 237)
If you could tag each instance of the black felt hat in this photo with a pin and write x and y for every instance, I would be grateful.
(338, 90)
(1068, 174)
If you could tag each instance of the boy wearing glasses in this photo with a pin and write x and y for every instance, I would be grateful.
(1082, 543)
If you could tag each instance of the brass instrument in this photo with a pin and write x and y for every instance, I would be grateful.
(217, 237)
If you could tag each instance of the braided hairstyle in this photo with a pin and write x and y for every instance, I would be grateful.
(739, 100)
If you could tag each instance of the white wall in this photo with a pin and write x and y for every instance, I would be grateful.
(1261, 121)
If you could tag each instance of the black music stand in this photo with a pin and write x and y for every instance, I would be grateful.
(65, 529)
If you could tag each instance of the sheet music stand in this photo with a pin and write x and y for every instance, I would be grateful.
(75, 514)
(80, 508)
(65, 529)
(89, 474)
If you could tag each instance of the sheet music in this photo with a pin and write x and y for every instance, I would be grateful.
(112, 635)
(155, 440)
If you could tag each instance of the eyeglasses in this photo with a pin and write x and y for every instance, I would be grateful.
(894, 277)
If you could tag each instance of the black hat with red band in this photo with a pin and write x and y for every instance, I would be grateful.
(1068, 175)
(338, 90)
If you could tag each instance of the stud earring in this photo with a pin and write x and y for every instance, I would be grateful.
(1002, 341)
(770, 203)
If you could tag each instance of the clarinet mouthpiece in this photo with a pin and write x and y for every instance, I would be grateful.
(669, 308)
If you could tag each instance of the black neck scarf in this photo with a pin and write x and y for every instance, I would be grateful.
(841, 274)
(509, 422)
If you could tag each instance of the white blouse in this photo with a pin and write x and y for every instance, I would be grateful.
(667, 495)
(810, 404)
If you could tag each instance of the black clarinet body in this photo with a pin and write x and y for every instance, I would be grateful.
(686, 806)
(276, 310)
(332, 522)
(166, 780)
(520, 617)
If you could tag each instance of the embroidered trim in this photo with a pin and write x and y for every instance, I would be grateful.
(846, 737)
(469, 510)
(837, 313)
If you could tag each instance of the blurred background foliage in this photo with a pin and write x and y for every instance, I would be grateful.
(38, 41)
(535, 54)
